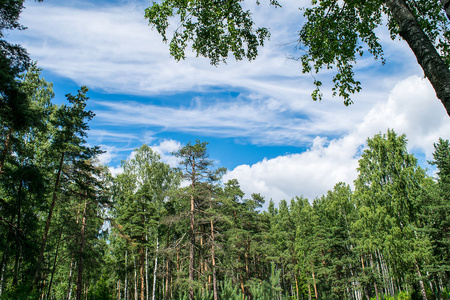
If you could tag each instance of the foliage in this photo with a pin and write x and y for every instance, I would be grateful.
(333, 36)
(213, 29)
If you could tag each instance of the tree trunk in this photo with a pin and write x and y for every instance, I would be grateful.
(213, 261)
(135, 280)
(118, 289)
(125, 293)
(5, 150)
(314, 281)
(446, 5)
(375, 284)
(80, 260)
(141, 271)
(156, 267)
(366, 292)
(422, 286)
(47, 225)
(146, 266)
(18, 241)
(191, 251)
(428, 58)
(166, 292)
(54, 264)
(309, 292)
(2, 269)
(69, 290)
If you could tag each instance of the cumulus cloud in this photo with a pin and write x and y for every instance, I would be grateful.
(411, 108)
(106, 157)
(165, 148)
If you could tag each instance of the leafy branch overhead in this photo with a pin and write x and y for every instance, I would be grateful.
(333, 36)
(213, 28)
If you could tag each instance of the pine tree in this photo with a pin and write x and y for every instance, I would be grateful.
(438, 213)
(195, 167)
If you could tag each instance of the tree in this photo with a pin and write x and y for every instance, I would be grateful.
(23, 180)
(68, 146)
(195, 169)
(437, 212)
(139, 197)
(14, 102)
(388, 190)
(334, 35)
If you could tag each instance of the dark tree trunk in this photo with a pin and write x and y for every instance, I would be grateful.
(191, 252)
(80, 260)
(47, 225)
(428, 58)
(5, 150)
(18, 241)
(54, 264)
(213, 261)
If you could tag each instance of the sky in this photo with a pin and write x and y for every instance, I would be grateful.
(258, 117)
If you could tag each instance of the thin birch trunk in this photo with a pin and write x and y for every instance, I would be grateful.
(166, 292)
(156, 268)
(314, 282)
(69, 290)
(146, 266)
(422, 286)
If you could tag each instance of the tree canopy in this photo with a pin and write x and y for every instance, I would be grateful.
(334, 35)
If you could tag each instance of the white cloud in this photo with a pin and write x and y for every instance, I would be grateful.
(115, 170)
(165, 149)
(108, 155)
(411, 108)
(111, 48)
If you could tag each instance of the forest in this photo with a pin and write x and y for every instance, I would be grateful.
(71, 230)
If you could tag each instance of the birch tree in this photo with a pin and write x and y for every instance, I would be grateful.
(334, 35)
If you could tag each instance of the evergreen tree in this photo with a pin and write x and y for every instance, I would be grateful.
(438, 214)
(195, 169)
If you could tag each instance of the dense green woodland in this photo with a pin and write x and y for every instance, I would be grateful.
(70, 230)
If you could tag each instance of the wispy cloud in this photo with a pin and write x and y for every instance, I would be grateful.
(111, 49)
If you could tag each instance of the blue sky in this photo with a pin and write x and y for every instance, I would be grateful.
(258, 116)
